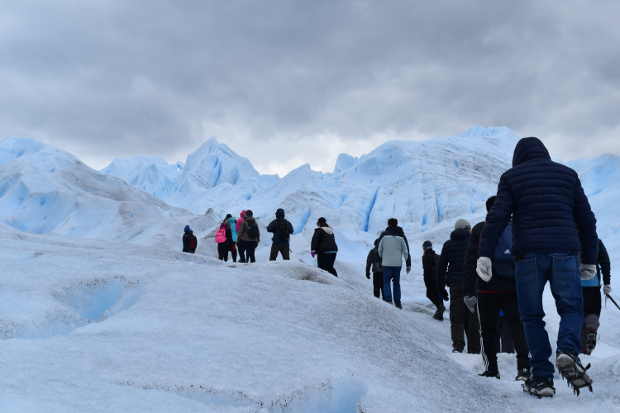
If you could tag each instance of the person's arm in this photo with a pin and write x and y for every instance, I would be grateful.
(442, 267)
(369, 260)
(497, 219)
(291, 230)
(586, 223)
(316, 241)
(603, 261)
(258, 232)
(406, 255)
(271, 227)
(380, 248)
(471, 257)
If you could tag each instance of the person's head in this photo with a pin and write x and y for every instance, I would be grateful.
(392, 223)
(462, 224)
(280, 213)
(187, 229)
(242, 214)
(491, 202)
(321, 222)
(427, 245)
(228, 216)
(529, 149)
(249, 213)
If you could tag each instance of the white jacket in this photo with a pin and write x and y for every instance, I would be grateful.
(392, 250)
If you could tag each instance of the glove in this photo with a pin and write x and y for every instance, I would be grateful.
(470, 303)
(408, 270)
(484, 269)
(444, 295)
(313, 253)
(368, 276)
(588, 271)
(607, 289)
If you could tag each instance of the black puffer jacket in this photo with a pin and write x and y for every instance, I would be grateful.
(430, 261)
(551, 213)
(452, 260)
(281, 228)
(473, 284)
(324, 240)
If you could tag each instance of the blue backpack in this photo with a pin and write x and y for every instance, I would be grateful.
(504, 262)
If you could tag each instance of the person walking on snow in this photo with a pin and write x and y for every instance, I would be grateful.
(190, 242)
(249, 238)
(282, 230)
(373, 262)
(240, 247)
(553, 226)
(232, 244)
(430, 261)
(489, 299)
(451, 272)
(392, 250)
(592, 299)
(223, 238)
(324, 247)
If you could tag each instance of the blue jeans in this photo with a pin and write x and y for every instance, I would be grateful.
(391, 274)
(562, 272)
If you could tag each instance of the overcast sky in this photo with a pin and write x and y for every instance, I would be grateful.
(289, 82)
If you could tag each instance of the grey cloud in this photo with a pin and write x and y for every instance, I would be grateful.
(113, 78)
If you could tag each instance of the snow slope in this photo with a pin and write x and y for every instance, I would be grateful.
(102, 327)
(44, 190)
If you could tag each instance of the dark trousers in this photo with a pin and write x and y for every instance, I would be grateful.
(391, 278)
(279, 248)
(489, 306)
(224, 248)
(562, 272)
(326, 263)
(463, 323)
(247, 251)
(591, 300)
(432, 292)
(377, 284)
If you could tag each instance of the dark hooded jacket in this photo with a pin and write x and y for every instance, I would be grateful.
(373, 260)
(549, 209)
(323, 240)
(189, 241)
(430, 262)
(281, 228)
(450, 270)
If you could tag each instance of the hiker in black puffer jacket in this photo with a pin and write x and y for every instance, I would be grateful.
(488, 299)
(249, 238)
(430, 263)
(190, 242)
(282, 230)
(373, 262)
(451, 273)
(555, 240)
(324, 247)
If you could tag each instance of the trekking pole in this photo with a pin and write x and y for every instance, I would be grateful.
(613, 301)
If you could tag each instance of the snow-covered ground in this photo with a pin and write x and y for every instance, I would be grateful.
(95, 326)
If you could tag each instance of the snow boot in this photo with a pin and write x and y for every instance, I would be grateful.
(438, 314)
(489, 373)
(573, 372)
(523, 375)
(539, 387)
(588, 334)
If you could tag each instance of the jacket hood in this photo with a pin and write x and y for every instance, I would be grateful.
(280, 213)
(459, 235)
(529, 149)
(327, 230)
(187, 229)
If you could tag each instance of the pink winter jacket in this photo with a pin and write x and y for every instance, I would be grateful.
(220, 235)
(240, 221)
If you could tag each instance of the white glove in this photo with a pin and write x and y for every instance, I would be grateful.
(470, 303)
(588, 271)
(484, 269)
(607, 289)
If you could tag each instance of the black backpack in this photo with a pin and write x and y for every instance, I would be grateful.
(252, 230)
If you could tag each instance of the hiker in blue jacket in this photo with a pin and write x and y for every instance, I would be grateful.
(554, 240)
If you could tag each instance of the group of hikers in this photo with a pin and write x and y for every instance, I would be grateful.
(539, 228)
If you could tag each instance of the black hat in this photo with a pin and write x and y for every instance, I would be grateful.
(427, 244)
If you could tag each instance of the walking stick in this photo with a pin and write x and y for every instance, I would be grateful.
(613, 301)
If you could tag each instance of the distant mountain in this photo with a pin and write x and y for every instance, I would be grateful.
(44, 190)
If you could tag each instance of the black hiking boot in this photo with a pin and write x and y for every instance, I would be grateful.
(523, 375)
(573, 372)
(438, 314)
(539, 387)
(489, 373)
(589, 343)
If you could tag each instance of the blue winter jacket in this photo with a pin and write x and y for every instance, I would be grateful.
(550, 211)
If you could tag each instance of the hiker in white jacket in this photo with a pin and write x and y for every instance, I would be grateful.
(392, 250)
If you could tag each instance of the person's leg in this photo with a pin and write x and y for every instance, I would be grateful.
(505, 334)
(285, 251)
(387, 280)
(591, 313)
(242, 245)
(220, 254)
(396, 282)
(489, 312)
(566, 289)
(511, 319)
(330, 261)
(531, 277)
(377, 283)
(233, 251)
(273, 255)
(320, 261)
(457, 316)
(472, 331)
(251, 251)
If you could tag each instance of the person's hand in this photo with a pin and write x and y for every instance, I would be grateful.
(607, 289)
(484, 269)
(470, 303)
(368, 276)
(313, 253)
(408, 270)
(588, 271)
